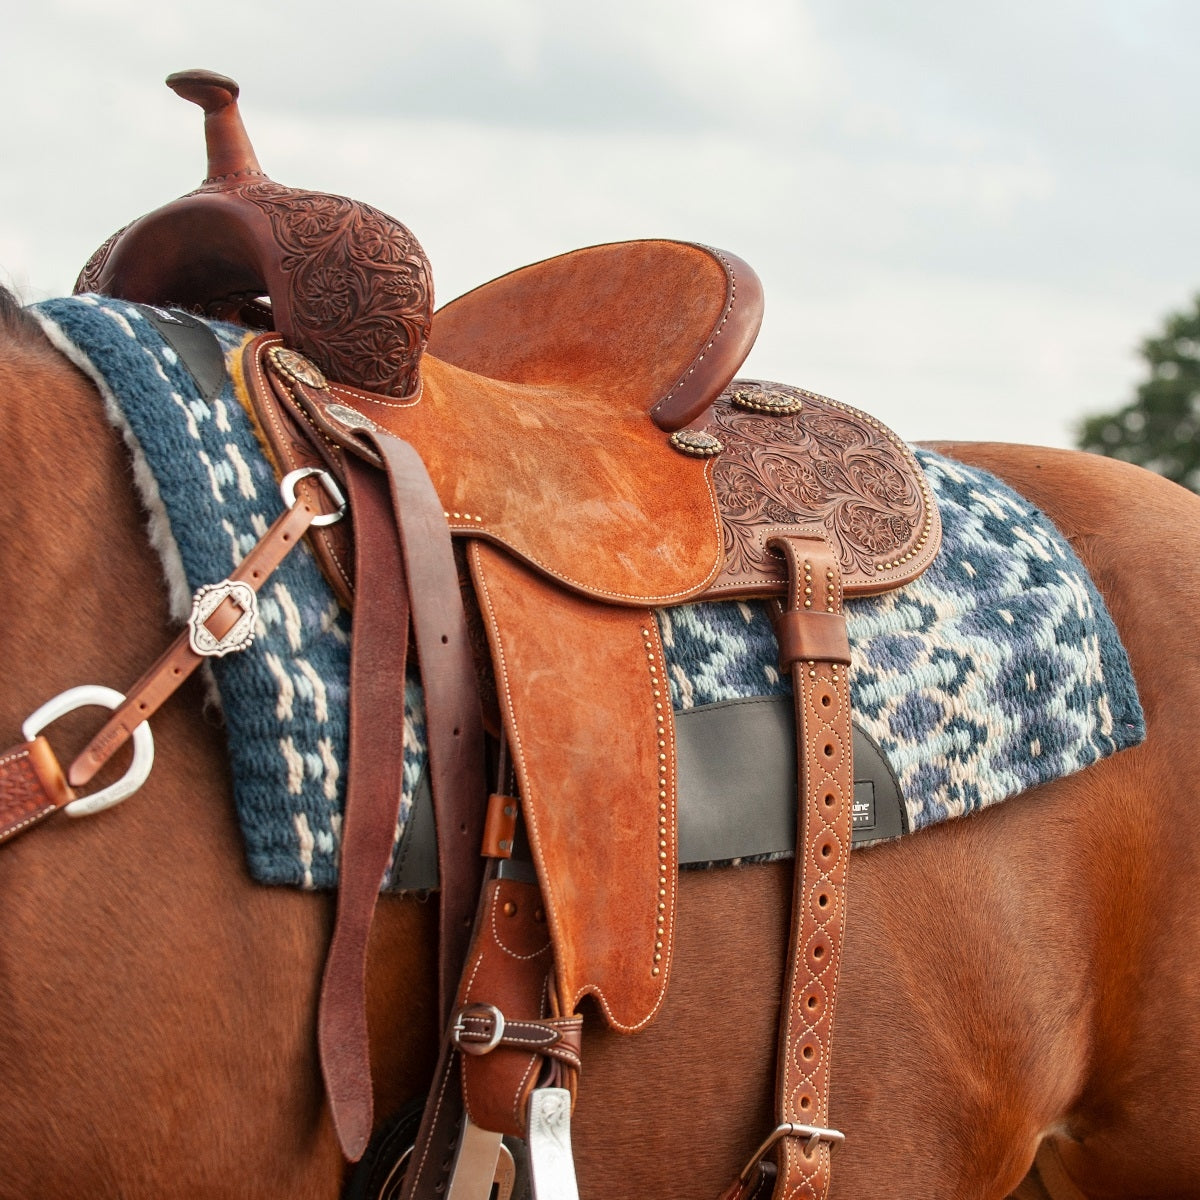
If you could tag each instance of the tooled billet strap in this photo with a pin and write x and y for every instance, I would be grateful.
(815, 649)
(32, 787)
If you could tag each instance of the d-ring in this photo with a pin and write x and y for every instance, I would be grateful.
(287, 488)
(143, 745)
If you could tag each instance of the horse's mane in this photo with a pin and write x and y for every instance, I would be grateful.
(16, 325)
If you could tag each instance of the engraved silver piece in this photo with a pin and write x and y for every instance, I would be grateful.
(287, 489)
(767, 400)
(205, 602)
(474, 1169)
(348, 417)
(143, 745)
(551, 1165)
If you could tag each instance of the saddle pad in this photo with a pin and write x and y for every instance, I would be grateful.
(996, 670)
(211, 494)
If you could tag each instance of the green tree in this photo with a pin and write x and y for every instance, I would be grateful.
(1161, 428)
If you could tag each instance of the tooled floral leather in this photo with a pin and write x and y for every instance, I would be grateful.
(31, 787)
(360, 288)
(348, 285)
(826, 468)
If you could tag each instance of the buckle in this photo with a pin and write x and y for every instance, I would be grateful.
(487, 1013)
(814, 1133)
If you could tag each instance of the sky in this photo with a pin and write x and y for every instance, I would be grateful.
(966, 214)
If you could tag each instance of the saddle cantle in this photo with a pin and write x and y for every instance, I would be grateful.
(540, 406)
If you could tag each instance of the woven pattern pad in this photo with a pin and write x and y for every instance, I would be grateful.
(997, 670)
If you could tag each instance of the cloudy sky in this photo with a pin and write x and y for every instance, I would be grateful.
(966, 213)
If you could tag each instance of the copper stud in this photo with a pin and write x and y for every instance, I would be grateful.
(696, 443)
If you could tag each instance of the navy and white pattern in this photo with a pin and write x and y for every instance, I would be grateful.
(997, 670)
(211, 495)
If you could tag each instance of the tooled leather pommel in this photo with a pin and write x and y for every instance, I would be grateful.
(349, 286)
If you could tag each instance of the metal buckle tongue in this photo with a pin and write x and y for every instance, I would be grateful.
(551, 1165)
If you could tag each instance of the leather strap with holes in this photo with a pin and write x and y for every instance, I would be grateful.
(815, 651)
(161, 681)
(420, 562)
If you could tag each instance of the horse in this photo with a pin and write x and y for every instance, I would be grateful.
(1018, 980)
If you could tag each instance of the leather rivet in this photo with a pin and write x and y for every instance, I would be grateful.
(510, 909)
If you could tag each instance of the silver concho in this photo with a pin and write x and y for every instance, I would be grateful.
(348, 417)
(766, 400)
(206, 602)
(696, 443)
(295, 366)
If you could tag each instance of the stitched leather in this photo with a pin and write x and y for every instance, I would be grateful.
(596, 767)
(32, 786)
(160, 682)
(822, 694)
(509, 968)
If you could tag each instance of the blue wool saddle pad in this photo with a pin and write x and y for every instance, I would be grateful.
(997, 670)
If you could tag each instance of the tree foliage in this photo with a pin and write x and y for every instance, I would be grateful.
(1160, 429)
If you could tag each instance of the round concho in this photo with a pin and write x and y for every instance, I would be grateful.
(696, 442)
(766, 400)
(295, 366)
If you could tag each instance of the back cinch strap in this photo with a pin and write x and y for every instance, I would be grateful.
(821, 688)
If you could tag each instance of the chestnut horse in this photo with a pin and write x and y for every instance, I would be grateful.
(1022, 976)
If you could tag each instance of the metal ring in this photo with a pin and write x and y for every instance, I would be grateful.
(143, 745)
(480, 1012)
(287, 488)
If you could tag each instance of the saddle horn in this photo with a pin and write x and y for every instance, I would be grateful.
(348, 286)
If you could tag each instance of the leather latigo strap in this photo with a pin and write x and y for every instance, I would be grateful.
(415, 531)
(377, 673)
(32, 787)
(815, 651)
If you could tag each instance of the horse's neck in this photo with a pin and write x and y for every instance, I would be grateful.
(78, 567)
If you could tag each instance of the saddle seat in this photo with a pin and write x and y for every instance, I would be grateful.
(535, 413)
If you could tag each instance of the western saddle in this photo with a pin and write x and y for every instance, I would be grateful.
(530, 473)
